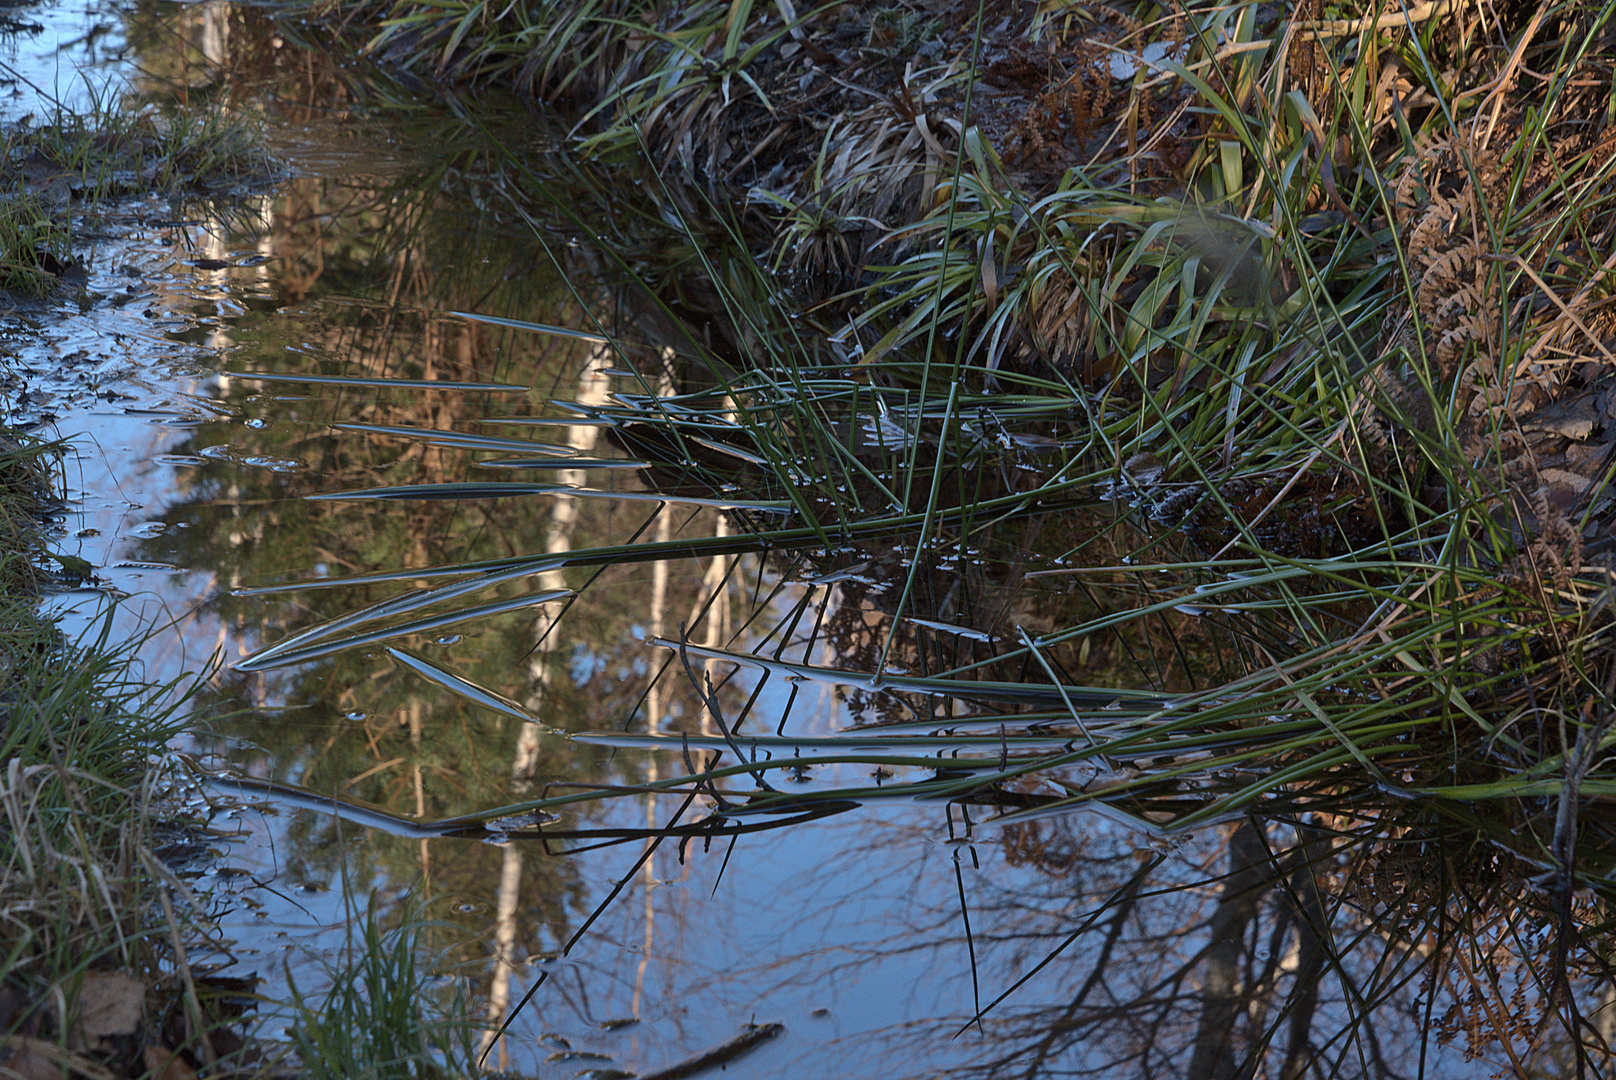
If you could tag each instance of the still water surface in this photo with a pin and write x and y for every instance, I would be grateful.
(242, 360)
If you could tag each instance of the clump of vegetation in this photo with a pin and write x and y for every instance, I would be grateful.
(112, 149)
(1265, 355)
(108, 959)
(386, 1013)
(73, 161)
(1277, 293)
(94, 974)
(34, 243)
(26, 493)
(96, 927)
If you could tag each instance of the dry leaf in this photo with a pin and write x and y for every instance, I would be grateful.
(21, 1060)
(17, 1013)
(165, 1064)
(36, 1059)
(109, 1005)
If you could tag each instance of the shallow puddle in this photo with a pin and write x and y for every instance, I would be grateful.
(256, 387)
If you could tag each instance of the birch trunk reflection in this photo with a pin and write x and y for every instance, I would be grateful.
(563, 520)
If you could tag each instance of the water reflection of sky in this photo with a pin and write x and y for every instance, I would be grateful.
(807, 926)
(66, 54)
(848, 932)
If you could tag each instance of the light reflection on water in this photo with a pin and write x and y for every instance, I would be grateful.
(65, 54)
(797, 930)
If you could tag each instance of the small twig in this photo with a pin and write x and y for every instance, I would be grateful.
(182, 964)
(703, 778)
(709, 700)
(1300, 472)
(1339, 28)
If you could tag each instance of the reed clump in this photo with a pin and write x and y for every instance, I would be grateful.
(1264, 353)
(1308, 313)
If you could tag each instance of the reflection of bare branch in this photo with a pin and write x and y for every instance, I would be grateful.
(1113, 933)
(600, 909)
(1224, 995)
(1312, 928)
(1123, 895)
(1598, 712)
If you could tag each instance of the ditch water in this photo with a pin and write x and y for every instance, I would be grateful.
(242, 377)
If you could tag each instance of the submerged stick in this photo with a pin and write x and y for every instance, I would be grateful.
(745, 1042)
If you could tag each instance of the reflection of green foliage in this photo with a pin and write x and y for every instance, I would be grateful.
(352, 727)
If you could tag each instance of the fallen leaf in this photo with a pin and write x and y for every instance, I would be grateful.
(165, 1064)
(36, 1059)
(19, 1058)
(109, 1005)
(17, 1013)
